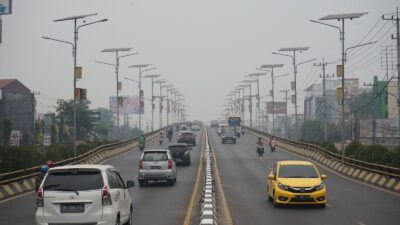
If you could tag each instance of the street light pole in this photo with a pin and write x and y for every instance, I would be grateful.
(258, 118)
(116, 67)
(74, 53)
(152, 97)
(342, 18)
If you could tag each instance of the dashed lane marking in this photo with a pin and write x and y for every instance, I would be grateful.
(360, 223)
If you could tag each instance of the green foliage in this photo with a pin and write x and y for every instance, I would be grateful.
(374, 154)
(313, 130)
(359, 105)
(16, 158)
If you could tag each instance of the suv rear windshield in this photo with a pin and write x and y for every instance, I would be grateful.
(155, 156)
(180, 149)
(77, 180)
(187, 134)
(297, 171)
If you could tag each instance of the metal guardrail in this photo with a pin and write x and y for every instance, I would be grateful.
(370, 167)
(31, 172)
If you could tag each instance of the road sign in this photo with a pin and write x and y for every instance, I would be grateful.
(5, 7)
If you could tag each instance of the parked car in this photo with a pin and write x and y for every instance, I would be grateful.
(156, 165)
(296, 182)
(84, 194)
(187, 137)
(228, 134)
(180, 153)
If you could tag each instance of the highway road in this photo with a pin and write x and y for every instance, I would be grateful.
(157, 204)
(243, 175)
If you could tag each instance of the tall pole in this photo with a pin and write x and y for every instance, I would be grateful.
(140, 98)
(273, 101)
(75, 60)
(286, 114)
(295, 95)
(324, 76)
(343, 115)
(161, 97)
(152, 104)
(251, 107)
(116, 75)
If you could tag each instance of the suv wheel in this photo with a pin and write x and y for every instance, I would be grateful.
(141, 183)
(170, 182)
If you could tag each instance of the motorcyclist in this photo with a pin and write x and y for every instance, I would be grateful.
(40, 176)
(272, 144)
(243, 130)
(169, 134)
(50, 164)
(161, 138)
(260, 142)
(142, 141)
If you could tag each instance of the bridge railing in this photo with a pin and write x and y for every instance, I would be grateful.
(370, 167)
(30, 172)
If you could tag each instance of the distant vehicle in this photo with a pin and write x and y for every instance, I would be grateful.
(296, 182)
(84, 194)
(195, 127)
(219, 131)
(228, 134)
(180, 153)
(156, 165)
(214, 123)
(187, 137)
(234, 121)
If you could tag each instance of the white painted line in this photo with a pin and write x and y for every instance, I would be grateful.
(360, 223)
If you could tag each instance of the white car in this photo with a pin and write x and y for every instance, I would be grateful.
(84, 194)
(156, 165)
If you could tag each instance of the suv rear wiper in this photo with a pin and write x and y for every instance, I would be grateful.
(66, 189)
(50, 186)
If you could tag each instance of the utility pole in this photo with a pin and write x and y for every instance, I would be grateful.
(286, 117)
(392, 18)
(324, 76)
(374, 92)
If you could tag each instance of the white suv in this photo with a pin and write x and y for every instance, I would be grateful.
(84, 194)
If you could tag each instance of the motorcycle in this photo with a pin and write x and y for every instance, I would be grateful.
(141, 146)
(169, 137)
(243, 132)
(219, 132)
(260, 150)
(272, 146)
(160, 140)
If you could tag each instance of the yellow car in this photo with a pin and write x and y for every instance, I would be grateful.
(296, 182)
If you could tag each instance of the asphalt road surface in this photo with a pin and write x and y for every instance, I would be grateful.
(243, 174)
(156, 204)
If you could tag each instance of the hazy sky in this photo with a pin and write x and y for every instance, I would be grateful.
(205, 48)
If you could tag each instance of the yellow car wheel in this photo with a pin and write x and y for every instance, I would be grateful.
(274, 200)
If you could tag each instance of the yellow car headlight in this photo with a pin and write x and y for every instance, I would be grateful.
(319, 187)
(283, 187)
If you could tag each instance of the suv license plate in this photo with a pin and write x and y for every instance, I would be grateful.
(72, 208)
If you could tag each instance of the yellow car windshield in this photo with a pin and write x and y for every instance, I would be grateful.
(297, 171)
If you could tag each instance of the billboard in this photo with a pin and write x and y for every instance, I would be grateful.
(130, 105)
(350, 90)
(5, 7)
(15, 137)
(280, 107)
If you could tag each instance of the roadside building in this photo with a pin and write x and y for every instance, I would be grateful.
(17, 102)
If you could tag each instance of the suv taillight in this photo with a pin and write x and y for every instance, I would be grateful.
(141, 164)
(105, 196)
(39, 198)
(170, 164)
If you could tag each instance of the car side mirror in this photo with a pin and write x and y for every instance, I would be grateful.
(130, 184)
(271, 177)
(323, 177)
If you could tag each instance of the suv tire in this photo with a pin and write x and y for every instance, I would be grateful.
(170, 182)
(129, 222)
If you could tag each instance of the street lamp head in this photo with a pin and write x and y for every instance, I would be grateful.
(139, 65)
(270, 66)
(152, 76)
(291, 49)
(343, 16)
(75, 17)
(116, 50)
(256, 74)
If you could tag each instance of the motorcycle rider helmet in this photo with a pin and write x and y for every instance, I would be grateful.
(44, 169)
(50, 164)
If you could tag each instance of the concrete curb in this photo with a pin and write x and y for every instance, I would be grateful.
(27, 185)
(374, 179)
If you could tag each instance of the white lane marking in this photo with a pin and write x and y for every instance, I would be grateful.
(360, 223)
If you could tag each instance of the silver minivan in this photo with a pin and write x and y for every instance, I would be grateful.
(84, 194)
(156, 165)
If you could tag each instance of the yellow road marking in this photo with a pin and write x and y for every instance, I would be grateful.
(220, 190)
(18, 187)
(382, 181)
(368, 177)
(1, 195)
(196, 185)
(27, 185)
(356, 173)
(8, 189)
(362, 174)
(350, 171)
(397, 187)
(375, 178)
(390, 183)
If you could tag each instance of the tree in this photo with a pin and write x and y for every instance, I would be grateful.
(6, 127)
